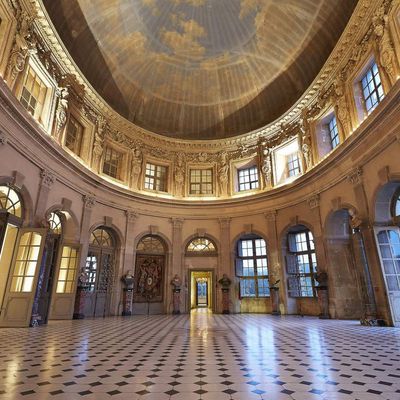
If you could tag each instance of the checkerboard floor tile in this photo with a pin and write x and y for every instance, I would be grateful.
(200, 357)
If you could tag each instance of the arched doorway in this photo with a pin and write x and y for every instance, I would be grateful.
(387, 233)
(301, 266)
(44, 287)
(201, 257)
(97, 286)
(345, 280)
(149, 275)
(21, 254)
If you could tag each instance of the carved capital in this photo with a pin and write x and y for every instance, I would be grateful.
(3, 139)
(48, 178)
(177, 223)
(271, 215)
(131, 216)
(313, 201)
(355, 176)
(89, 201)
(225, 223)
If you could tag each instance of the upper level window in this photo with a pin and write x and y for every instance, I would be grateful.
(252, 267)
(112, 163)
(74, 134)
(372, 88)
(293, 164)
(201, 246)
(333, 132)
(248, 178)
(301, 264)
(33, 94)
(155, 177)
(201, 181)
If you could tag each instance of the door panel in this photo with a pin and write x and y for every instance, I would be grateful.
(19, 296)
(64, 290)
(388, 243)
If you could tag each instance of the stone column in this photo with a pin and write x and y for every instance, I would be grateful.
(89, 202)
(177, 257)
(360, 226)
(225, 266)
(274, 268)
(320, 252)
(48, 179)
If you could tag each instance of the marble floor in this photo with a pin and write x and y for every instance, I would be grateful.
(202, 356)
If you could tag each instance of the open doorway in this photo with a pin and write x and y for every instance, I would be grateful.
(201, 290)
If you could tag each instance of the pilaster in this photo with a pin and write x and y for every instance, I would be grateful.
(48, 179)
(177, 258)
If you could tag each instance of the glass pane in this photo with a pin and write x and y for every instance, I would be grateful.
(388, 267)
(393, 284)
(27, 285)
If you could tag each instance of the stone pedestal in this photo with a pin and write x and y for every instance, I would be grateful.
(127, 302)
(274, 295)
(322, 292)
(225, 301)
(79, 303)
(176, 301)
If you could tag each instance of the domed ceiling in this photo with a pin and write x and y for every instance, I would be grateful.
(200, 69)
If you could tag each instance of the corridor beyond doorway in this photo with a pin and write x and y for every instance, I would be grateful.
(201, 290)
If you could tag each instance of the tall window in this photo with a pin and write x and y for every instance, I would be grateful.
(248, 178)
(201, 181)
(301, 264)
(112, 163)
(73, 138)
(372, 88)
(33, 94)
(155, 177)
(252, 267)
(333, 132)
(293, 164)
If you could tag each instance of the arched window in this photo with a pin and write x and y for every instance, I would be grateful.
(10, 201)
(301, 262)
(252, 266)
(149, 269)
(396, 205)
(55, 224)
(98, 274)
(201, 246)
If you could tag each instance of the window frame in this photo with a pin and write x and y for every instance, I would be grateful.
(157, 166)
(250, 182)
(308, 252)
(255, 277)
(77, 148)
(292, 161)
(201, 253)
(379, 97)
(201, 183)
(120, 162)
(333, 130)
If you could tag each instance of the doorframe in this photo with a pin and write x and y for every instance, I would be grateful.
(212, 285)
(377, 229)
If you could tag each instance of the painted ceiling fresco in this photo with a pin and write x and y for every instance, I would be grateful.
(200, 69)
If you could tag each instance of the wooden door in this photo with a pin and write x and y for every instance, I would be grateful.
(21, 286)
